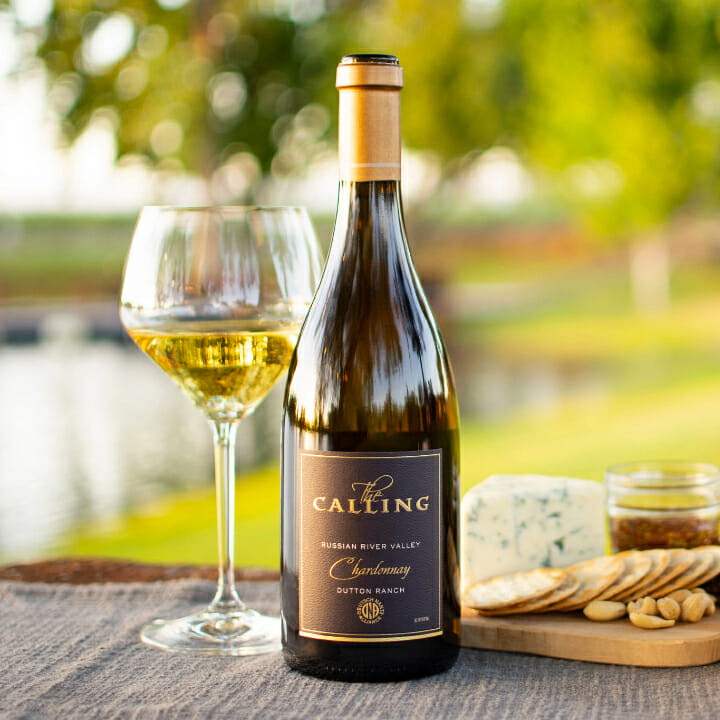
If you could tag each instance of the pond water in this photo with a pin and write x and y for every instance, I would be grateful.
(90, 428)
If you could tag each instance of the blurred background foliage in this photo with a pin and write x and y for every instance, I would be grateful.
(562, 173)
(615, 105)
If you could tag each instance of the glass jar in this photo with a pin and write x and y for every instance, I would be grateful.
(662, 504)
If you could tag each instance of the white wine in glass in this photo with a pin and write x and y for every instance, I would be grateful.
(224, 370)
(216, 297)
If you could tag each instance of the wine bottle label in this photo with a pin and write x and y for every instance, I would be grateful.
(370, 545)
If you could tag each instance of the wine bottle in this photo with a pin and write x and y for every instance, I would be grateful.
(370, 429)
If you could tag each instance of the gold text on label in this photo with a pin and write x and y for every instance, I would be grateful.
(371, 500)
(351, 568)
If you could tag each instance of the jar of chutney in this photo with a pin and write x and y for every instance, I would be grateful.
(662, 504)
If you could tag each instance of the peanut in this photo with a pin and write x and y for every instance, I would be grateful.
(668, 608)
(649, 622)
(603, 610)
(709, 602)
(679, 595)
(647, 606)
(710, 607)
(693, 607)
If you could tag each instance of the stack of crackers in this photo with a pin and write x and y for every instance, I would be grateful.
(623, 577)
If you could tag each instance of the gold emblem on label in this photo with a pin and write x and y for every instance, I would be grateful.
(370, 610)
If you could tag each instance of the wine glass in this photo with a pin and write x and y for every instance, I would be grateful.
(216, 296)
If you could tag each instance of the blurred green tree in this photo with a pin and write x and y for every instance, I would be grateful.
(195, 84)
(626, 97)
(615, 106)
(621, 108)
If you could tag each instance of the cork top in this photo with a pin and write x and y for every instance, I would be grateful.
(369, 70)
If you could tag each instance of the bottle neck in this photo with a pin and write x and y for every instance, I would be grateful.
(369, 226)
(369, 134)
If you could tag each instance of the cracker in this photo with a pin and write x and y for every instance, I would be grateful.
(714, 569)
(679, 560)
(568, 587)
(715, 549)
(506, 590)
(660, 560)
(595, 576)
(637, 566)
(702, 562)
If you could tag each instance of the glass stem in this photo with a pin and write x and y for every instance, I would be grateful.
(226, 598)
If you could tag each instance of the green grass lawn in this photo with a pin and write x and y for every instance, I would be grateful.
(181, 528)
(690, 326)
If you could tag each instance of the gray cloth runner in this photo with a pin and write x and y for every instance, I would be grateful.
(73, 652)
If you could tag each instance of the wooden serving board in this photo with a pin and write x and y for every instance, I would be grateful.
(574, 637)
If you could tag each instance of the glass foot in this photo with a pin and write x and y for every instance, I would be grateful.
(243, 632)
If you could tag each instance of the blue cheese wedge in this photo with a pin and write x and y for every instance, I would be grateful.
(521, 522)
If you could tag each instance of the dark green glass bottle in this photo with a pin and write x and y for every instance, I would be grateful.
(370, 487)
